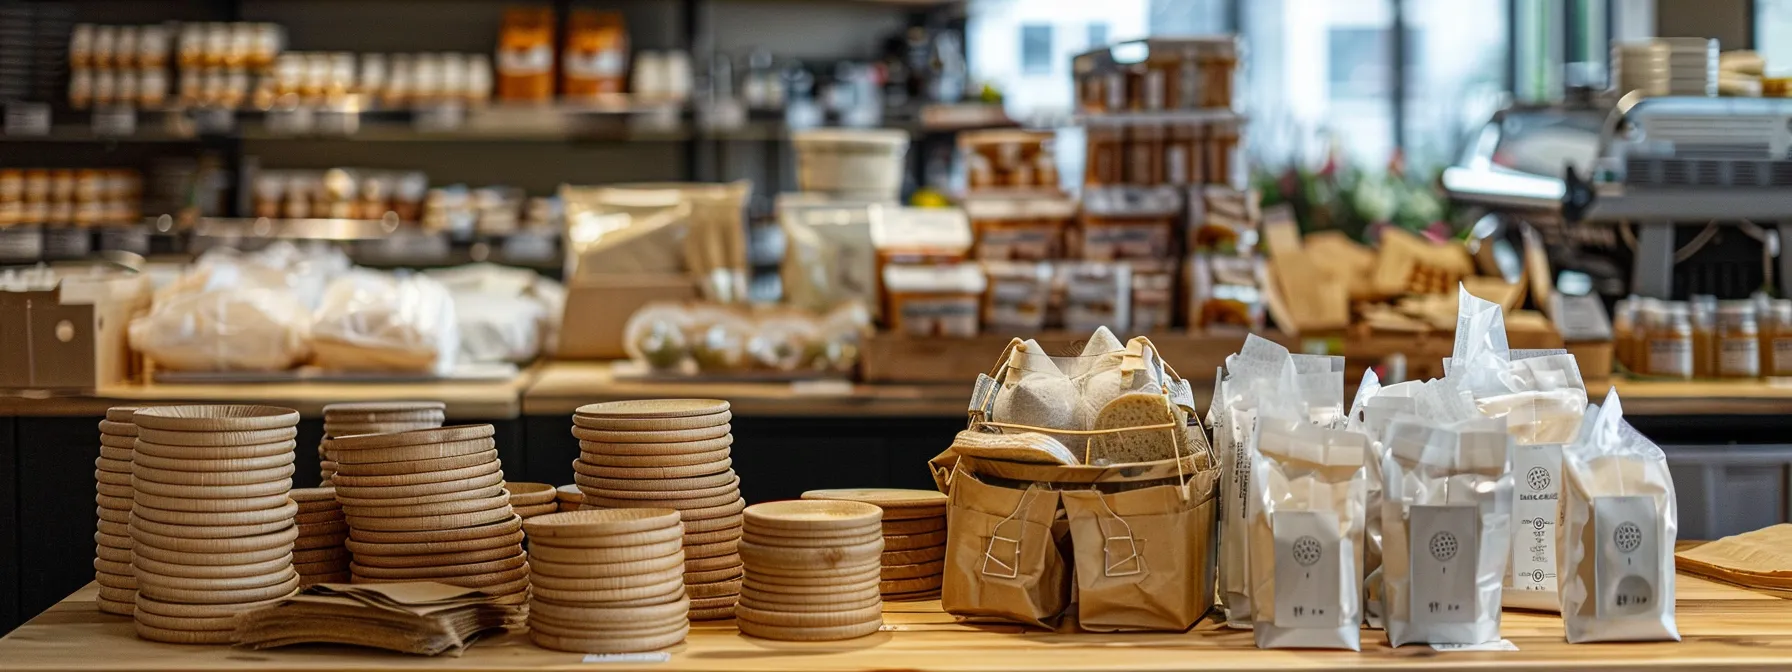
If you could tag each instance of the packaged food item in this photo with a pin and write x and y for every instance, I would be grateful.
(1224, 290)
(1250, 375)
(380, 322)
(1373, 409)
(696, 229)
(525, 58)
(1704, 335)
(1306, 535)
(596, 56)
(1669, 340)
(829, 257)
(717, 338)
(1126, 223)
(934, 300)
(1738, 340)
(1776, 351)
(1019, 229)
(1153, 295)
(1619, 531)
(1096, 295)
(1009, 159)
(1446, 523)
(1017, 296)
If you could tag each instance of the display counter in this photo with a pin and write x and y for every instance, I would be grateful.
(470, 399)
(1723, 627)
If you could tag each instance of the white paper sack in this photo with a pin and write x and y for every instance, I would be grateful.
(1618, 536)
(1254, 373)
(253, 329)
(380, 322)
(1374, 407)
(1306, 536)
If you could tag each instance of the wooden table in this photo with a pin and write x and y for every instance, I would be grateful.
(1699, 397)
(471, 400)
(560, 387)
(1723, 628)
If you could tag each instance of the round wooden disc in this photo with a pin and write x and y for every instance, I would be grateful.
(115, 608)
(692, 471)
(151, 605)
(111, 428)
(915, 571)
(111, 478)
(718, 549)
(799, 576)
(104, 566)
(115, 466)
(580, 613)
(210, 439)
(275, 487)
(116, 503)
(714, 575)
(653, 591)
(603, 498)
(309, 495)
(215, 418)
(358, 473)
(812, 516)
(752, 629)
(652, 424)
(150, 580)
(332, 553)
(501, 512)
(780, 585)
(345, 448)
(187, 624)
(349, 408)
(151, 633)
(909, 542)
(593, 561)
(116, 453)
(811, 542)
(108, 527)
(568, 628)
(104, 538)
(321, 567)
(282, 513)
(113, 554)
(568, 493)
(311, 534)
(207, 531)
(712, 589)
(894, 498)
(360, 461)
(174, 457)
(593, 447)
(498, 528)
(695, 565)
(495, 498)
(837, 603)
(713, 614)
(916, 526)
(714, 602)
(757, 555)
(652, 408)
(695, 486)
(916, 556)
(393, 425)
(893, 514)
(319, 517)
(493, 583)
(528, 512)
(725, 522)
(118, 594)
(284, 588)
(123, 413)
(143, 551)
(812, 619)
(420, 477)
(913, 585)
(145, 459)
(601, 645)
(263, 542)
(644, 492)
(210, 478)
(713, 537)
(654, 461)
(627, 539)
(600, 523)
(435, 559)
(529, 494)
(671, 436)
(429, 572)
(468, 546)
(538, 579)
(402, 495)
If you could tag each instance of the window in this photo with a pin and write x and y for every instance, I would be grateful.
(1036, 49)
(1358, 62)
(1773, 33)
(1456, 58)
(1318, 76)
(1098, 34)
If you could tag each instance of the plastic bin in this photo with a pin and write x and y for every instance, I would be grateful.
(861, 162)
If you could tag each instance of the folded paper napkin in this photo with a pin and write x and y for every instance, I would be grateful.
(418, 617)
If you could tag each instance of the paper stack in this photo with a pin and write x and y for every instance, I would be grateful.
(420, 617)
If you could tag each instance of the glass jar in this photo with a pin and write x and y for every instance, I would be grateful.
(1624, 316)
(1704, 336)
(1670, 342)
(1776, 353)
(1738, 340)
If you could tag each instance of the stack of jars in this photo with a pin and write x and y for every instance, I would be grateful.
(1704, 337)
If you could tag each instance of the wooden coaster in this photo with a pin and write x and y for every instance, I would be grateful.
(627, 476)
(310, 531)
(145, 459)
(319, 517)
(124, 568)
(671, 436)
(652, 408)
(283, 514)
(568, 493)
(729, 485)
(345, 448)
(118, 594)
(653, 591)
(495, 498)
(274, 487)
(712, 576)
(111, 528)
(637, 424)
(703, 446)
(115, 453)
(115, 608)
(529, 494)
(352, 461)
(812, 515)
(123, 413)
(914, 557)
(799, 576)
(351, 408)
(781, 585)
(117, 466)
(341, 480)
(603, 498)
(597, 558)
(695, 565)
(312, 495)
(111, 478)
(915, 571)
(498, 528)
(214, 418)
(187, 624)
(339, 566)
(430, 572)
(113, 554)
(713, 537)
(609, 522)
(551, 626)
(433, 559)
(720, 548)
(910, 542)
(913, 585)
(528, 512)
(889, 498)
(470, 454)
(713, 524)
(918, 596)
(286, 587)
(140, 472)
(162, 456)
(857, 601)
(811, 619)
(695, 486)
(399, 495)
(224, 505)
(453, 521)
(602, 645)
(150, 580)
(111, 428)
(916, 526)
(327, 506)
(811, 542)
(919, 513)
(109, 502)
(103, 538)
(151, 605)
(151, 633)
(659, 536)
(675, 609)
(713, 614)
(207, 531)
(341, 429)
(196, 559)
(281, 539)
(713, 589)
(334, 553)
(653, 461)
(714, 602)
(210, 439)
(776, 633)
(426, 548)
(538, 579)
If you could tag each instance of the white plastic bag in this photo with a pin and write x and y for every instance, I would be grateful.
(381, 322)
(1260, 373)
(1306, 536)
(505, 314)
(248, 329)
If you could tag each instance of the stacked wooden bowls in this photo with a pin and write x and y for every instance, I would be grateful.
(375, 417)
(914, 560)
(568, 497)
(430, 505)
(532, 499)
(319, 554)
(812, 571)
(212, 525)
(113, 495)
(607, 581)
(672, 454)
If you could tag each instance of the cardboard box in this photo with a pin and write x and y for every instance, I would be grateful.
(598, 308)
(72, 336)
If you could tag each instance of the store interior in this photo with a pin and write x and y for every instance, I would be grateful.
(861, 226)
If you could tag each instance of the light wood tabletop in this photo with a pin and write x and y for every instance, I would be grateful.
(1724, 628)
(466, 399)
(561, 387)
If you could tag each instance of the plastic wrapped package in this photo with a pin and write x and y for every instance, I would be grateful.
(781, 340)
(828, 254)
(655, 334)
(839, 338)
(379, 322)
(717, 338)
(505, 314)
(225, 329)
(694, 229)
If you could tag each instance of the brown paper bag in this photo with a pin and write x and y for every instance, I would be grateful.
(1002, 556)
(1758, 559)
(1144, 558)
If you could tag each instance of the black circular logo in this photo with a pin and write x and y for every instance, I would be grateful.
(1538, 478)
(1628, 537)
(1443, 546)
(1537, 575)
(1307, 551)
(1538, 523)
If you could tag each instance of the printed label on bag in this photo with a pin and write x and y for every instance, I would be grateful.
(1740, 357)
(1241, 459)
(1626, 556)
(1445, 545)
(1536, 512)
(1309, 569)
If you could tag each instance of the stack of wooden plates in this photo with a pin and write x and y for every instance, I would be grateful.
(914, 538)
(812, 571)
(430, 505)
(211, 521)
(112, 541)
(319, 555)
(672, 454)
(375, 417)
(569, 498)
(532, 499)
(609, 581)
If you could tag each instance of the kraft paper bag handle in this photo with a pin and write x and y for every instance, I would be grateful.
(1012, 567)
(1132, 557)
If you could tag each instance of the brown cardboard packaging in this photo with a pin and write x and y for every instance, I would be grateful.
(1145, 558)
(598, 307)
(72, 336)
(1002, 553)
